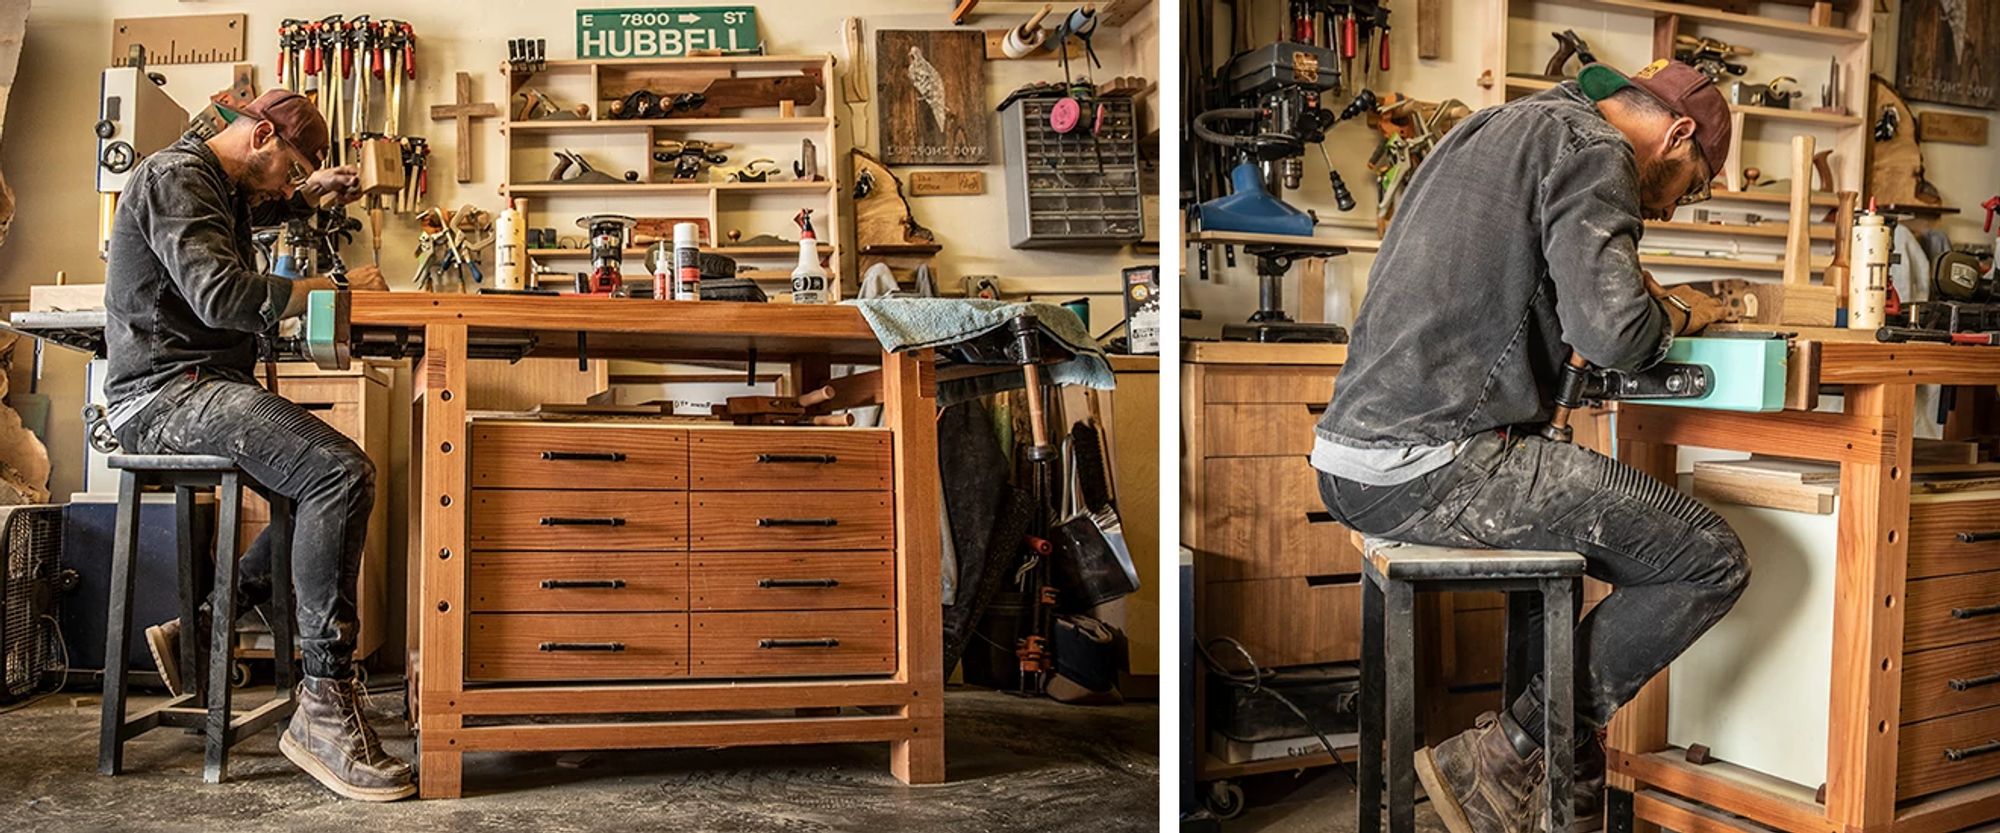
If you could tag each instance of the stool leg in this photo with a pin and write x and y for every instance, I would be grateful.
(1400, 654)
(222, 657)
(284, 617)
(1558, 698)
(193, 656)
(1368, 767)
(118, 628)
(1524, 646)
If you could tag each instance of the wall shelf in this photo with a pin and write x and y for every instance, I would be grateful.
(1688, 11)
(1775, 267)
(1771, 230)
(773, 124)
(1537, 84)
(656, 188)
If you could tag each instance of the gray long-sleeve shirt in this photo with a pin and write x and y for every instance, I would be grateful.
(1516, 241)
(182, 292)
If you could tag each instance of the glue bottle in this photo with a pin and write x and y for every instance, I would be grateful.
(687, 262)
(1868, 283)
(510, 248)
(809, 283)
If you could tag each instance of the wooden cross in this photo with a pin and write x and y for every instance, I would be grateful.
(464, 111)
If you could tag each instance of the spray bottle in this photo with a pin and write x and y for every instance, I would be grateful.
(1868, 285)
(809, 282)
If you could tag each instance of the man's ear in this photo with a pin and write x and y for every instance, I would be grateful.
(261, 134)
(1681, 130)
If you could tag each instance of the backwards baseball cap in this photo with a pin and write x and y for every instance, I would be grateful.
(295, 119)
(1682, 88)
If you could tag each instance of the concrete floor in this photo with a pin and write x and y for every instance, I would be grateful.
(1013, 764)
(1316, 801)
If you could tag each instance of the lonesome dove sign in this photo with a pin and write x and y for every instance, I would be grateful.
(663, 33)
(932, 89)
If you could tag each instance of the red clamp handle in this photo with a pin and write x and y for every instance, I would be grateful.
(1991, 205)
(1385, 50)
(1348, 39)
(409, 51)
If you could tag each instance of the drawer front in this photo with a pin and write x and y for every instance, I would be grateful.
(789, 458)
(1925, 753)
(1248, 429)
(1300, 384)
(1935, 546)
(1282, 621)
(534, 455)
(577, 646)
(814, 581)
(558, 582)
(1948, 681)
(1952, 610)
(307, 389)
(793, 644)
(787, 521)
(523, 519)
(1262, 518)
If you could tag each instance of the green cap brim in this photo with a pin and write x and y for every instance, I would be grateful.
(1600, 82)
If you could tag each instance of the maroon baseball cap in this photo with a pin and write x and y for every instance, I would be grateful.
(1683, 89)
(296, 120)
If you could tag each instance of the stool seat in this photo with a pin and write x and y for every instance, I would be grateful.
(171, 462)
(1421, 562)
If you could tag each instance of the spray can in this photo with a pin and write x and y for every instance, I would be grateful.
(687, 262)
(809, 283)
(1868, 285)
(510, 247)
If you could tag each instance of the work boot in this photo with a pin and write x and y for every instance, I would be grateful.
(164, 640)
(1587, 786)
(1479, 784)
(331, 740)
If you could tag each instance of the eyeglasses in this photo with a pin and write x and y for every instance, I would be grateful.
(1699, 191)
(296, 174)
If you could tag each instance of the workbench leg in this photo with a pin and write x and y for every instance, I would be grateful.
(1868, 597)
(1641, 726)
(909, 396)
(440, 382)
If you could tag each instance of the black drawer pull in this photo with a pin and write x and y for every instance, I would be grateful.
(1973, 682)
(1979, 537)
(613, 647)
(798, 643)
(797, 522)
(1317, 410)
(1974, 612)
(583, 522)
(316, 406)
(583, 584)
(822, 459)
(1987, 748)
(1318, 517)
(591, 456)
(797, 582)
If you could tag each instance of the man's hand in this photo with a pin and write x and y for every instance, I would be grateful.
(342, 183)
(366, 279)
(1690, 310)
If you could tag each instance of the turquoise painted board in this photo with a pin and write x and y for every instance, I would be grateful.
(1744, 374)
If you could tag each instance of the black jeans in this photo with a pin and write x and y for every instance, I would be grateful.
(285, 450)
(1676, 566)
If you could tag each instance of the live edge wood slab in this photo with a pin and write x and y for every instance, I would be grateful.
(1870, 440)
(904, 708)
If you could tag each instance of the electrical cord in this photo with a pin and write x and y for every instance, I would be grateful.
(1252, 681)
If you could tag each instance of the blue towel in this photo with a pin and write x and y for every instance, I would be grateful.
(916, 323)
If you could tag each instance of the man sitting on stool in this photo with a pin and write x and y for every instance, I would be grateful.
(1519, 236)
(185, 304)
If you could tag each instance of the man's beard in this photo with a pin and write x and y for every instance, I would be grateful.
(1653, 186)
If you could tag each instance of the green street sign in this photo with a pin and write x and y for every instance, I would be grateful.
(663, 33)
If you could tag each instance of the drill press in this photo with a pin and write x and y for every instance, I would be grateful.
(610, 234)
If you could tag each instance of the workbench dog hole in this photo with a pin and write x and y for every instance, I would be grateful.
(1893, 536)
(444, 606)
(444, 554)
(445, 447)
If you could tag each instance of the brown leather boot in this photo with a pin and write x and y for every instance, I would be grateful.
(1588, 786)
(164, 640)
(331, 740)
(1479, 784)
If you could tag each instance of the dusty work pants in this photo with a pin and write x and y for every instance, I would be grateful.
(1675, 565)
(288, 451)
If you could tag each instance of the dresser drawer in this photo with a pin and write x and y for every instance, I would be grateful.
(1935, 546)
(559, 582)
(537, 455)
(793, 644)
(1304, 385)
(811, 581)
(1262, 518)
(1952, 610)
(525, 519)
(1283, 621)
(751, 459)
(785, 521)
(1947, 681)
(589, 647)
(1246, 429)
(1925, 753)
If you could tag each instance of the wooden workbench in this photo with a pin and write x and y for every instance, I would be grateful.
(453, 716)
(1867, 759)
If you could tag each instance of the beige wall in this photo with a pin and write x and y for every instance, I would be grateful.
(1966, 175)
(48, 153)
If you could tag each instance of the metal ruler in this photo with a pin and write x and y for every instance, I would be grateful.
(182, 39)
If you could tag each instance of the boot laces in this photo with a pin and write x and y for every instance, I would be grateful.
(356, 723)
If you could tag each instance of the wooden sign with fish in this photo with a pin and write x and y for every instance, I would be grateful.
(931, 96)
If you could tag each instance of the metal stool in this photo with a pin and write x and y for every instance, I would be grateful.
(186, 473)
(1393, 572)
